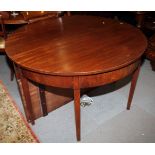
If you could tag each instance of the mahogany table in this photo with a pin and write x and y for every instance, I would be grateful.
(75, 52)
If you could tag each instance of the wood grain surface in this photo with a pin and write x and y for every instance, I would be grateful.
(75, 45)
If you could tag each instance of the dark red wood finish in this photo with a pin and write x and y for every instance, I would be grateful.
(77, 52)
(75, 45)
(43, 99)
(133, 85)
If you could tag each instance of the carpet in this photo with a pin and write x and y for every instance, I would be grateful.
(13, 126)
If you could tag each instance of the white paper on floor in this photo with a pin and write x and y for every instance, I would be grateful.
(105, 106)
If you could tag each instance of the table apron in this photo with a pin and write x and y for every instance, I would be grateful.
(85, 81)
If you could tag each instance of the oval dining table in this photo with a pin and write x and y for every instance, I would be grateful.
(75, 52)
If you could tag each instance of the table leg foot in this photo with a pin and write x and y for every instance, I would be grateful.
(132, 88)
(32, 122)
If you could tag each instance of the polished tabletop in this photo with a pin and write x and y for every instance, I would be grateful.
(75, 45)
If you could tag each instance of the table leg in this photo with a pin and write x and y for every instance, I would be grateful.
(77, 108)
(27, 97)
(133, 85)
(12, 73)
(17, 74)
(43, 99)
